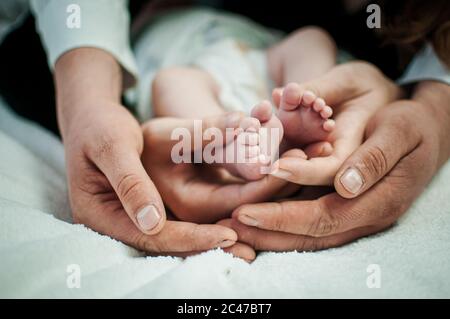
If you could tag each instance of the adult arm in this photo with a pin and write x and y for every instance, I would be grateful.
(102, 24)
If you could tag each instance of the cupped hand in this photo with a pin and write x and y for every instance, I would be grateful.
(355, 91)
(109, 189)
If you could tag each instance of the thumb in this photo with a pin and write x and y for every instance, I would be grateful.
(137, 193)
(389, 143)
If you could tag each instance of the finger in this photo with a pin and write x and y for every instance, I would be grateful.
(168, 131)
(314, 171)
(242, 251)
(320, 149)
(391, 140)
(295, 152)
(188, 237)
(174, 237)
(276, 96)
(239, 250)
(261, 239)
(330, 214)
(137, 193)
(183, 237)
(236, 194)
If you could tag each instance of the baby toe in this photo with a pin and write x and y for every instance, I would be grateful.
(319, 104)
(291, 97)
(250, 124)
(308, 98)
(326, 112)
(329, 125)
(262, 111)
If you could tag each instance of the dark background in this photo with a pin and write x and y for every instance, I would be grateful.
(27, 86)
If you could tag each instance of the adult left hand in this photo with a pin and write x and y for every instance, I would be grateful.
(406, 143)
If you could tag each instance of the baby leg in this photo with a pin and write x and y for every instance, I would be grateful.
(185, 92)
(304, 55)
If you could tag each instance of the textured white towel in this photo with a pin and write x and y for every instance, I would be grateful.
(37, 244)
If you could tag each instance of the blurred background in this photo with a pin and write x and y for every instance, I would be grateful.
(24, 67)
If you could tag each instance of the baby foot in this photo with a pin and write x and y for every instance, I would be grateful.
(257, 143)
(305, 117)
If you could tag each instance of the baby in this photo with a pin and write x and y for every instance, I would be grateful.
(197, 63)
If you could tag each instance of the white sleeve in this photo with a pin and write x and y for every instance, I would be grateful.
(426, 66)
(104, 24)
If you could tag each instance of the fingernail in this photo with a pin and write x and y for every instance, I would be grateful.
(352, 180)
(148, 217)
(247, 220)
(226, 243)
(281, 173)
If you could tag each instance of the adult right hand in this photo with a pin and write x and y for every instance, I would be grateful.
(109, 189)
(406, 144)
(356, 91)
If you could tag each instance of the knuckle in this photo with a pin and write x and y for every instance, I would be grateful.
(309, 244)
(143, 242)
(325, 223)
(301, 243)
(374, 163)
(128, 185)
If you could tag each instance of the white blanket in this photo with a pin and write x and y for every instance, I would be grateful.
(38, 244)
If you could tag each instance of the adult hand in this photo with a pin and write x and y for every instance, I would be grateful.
(109, 188)
(407, 142)
(201, 193)
(355, 91)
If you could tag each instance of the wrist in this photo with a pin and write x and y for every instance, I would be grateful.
(85, 79)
